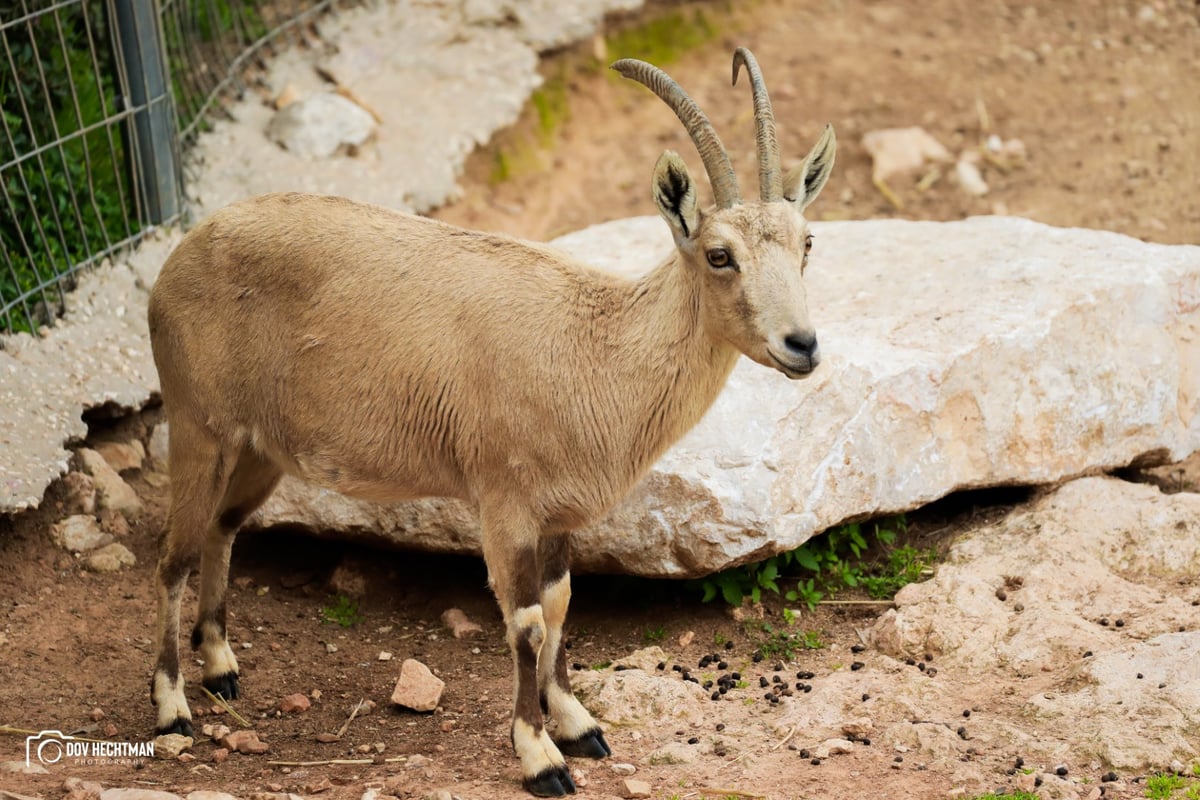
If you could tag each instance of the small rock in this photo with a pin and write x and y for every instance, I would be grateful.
(79, 493)
(831, 747)
(858, 728)
(158, 446)
(111, 491)
(79, 534)
(110, 558)
(79, 789)
(113, 522)
(458, 623)
(895, 151)
(970, 179)
(244, 742)
(384, 655)
(216, 732)
(206, 794)
(97, 714)
(318, 785)
(623, 769)
(122, 456)
(686, 638)
(328, 738)
(220, 754)
(20, 768)
(186, 758)
(672, 753)
(439, 794)
(417, 688)
(320, 125)
(347, 580)
(110, 730)
(365, 707)
(331, 648)
(636, 788)
(137, 794)
(294, 704)
(170, 745)
(286, 97)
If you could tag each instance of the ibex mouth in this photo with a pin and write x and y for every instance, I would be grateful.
(796, 368)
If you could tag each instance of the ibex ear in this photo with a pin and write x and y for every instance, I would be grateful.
(804, 183)
(675, 195)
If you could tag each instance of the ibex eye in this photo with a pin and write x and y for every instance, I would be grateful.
(720, 258)
(808, 243)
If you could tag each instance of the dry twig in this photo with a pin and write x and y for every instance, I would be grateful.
(223, 704)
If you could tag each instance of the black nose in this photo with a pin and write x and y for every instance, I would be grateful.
(801, 343)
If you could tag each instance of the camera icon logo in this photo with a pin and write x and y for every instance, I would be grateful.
(46, 748)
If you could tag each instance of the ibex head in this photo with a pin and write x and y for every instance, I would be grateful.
(751, 254)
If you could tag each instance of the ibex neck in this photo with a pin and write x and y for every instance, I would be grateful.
(686, 364)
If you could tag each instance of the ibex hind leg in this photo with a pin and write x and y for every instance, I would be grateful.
(198, 480)
(578, 733)
(251, 482)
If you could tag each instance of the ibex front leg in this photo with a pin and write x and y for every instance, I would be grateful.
(510, 548)
(578, 734)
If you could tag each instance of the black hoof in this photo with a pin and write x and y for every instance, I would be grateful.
(590, 745)
(181, 725)
(551, 782)
(224, 686)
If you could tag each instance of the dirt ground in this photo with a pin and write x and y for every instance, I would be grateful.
(1106, 98)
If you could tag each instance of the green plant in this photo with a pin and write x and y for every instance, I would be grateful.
(655, 634)
(69, 201)
(601, 665)
(1163, 784)
(344, 612)
(664, 39)
(834, 560)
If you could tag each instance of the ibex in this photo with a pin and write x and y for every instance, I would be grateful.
(387, 356)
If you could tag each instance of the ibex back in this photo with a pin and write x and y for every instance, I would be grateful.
(386, 356)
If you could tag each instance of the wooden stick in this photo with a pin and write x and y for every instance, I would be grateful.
(727, 792)
(784, 740)
(356, 762)
(353, 713)
(888, 194)
(221, 702)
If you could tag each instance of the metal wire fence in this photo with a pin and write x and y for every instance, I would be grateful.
(97, 100)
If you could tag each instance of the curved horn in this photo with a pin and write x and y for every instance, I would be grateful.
(770, 173)
(704, 136)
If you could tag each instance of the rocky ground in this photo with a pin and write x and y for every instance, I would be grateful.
(1055, 650)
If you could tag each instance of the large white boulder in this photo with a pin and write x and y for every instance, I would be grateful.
(992, 351)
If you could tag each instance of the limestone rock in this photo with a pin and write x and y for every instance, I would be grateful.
(987, 374)
(170, 745)
(159, 440)
(1095, 549)
(898, 150)
(137, 794)
(208, 794)
(417, 688)
(634, 788)
(635, 697)
(460, 626)
(79, 493)
(111, 491)
(320, 125)
(109, 558)
(79, 534)
(122, 456)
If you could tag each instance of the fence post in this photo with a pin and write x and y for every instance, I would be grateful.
(154, 152)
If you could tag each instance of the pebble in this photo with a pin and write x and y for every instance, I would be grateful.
(686, 638)
(623, 769)
(245, 742)
(294, 704)
(109, 558)
(461, 627)
(327, 738)
(170, 745)
(220, 754)
(417, 687)
(384, 655)
(635, 788)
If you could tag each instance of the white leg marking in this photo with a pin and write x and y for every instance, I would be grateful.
(216, 653)
(529, 618)
(170, 700)
(573, 719)
(534, 748)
